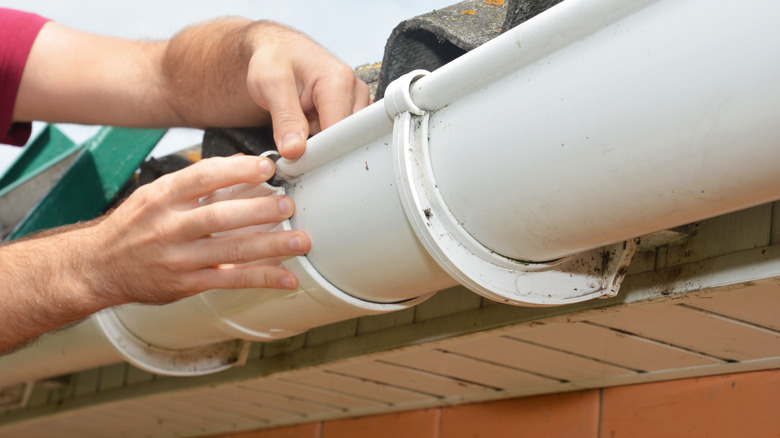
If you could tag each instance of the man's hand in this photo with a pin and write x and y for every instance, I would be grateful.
(156, 247)
(261, 68)
(228, 73)
(301, 84)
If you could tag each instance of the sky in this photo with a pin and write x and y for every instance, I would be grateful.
(354, 31)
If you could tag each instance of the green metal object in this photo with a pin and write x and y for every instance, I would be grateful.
(49, 148)
(35, 171)
(97, 174)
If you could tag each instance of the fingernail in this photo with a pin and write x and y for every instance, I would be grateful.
(266, 168)
(287, 282)
(296, 244)
(290, 141)
(285, 206)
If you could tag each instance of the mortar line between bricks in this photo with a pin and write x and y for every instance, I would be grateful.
(437, 432)
(600, 412)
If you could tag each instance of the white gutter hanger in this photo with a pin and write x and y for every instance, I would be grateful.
(523, 170)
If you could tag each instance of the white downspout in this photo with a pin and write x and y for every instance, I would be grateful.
(518, 170)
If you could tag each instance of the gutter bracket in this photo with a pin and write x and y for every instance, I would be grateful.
(186, 362)
(15, 396)
(398, 98)
(591, 274)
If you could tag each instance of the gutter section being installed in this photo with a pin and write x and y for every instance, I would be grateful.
(522, 170)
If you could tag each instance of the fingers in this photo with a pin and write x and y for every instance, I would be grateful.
(338, 95)
(334, 98)
(234, 214)
(245, 248)
(290, 76)
(207, 176)
(277, 91)
(246, 277)
(236, 262)
(362, 96)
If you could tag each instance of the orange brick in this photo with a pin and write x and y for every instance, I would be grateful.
(736, 405)
(311, 430)
(414, 424)
(570, 415)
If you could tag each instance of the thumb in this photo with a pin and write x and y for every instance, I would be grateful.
(278, 93)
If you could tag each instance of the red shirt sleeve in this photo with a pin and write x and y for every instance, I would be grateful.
(17, 33)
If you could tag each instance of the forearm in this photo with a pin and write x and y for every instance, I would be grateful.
(228, 73)
(76, 77)
(198, 78)
(47, 283)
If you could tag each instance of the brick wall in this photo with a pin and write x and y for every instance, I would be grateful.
(736, 405)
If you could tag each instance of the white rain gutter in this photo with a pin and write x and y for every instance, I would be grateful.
(522, 170)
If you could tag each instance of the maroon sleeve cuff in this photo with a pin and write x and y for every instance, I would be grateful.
(18, 31)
